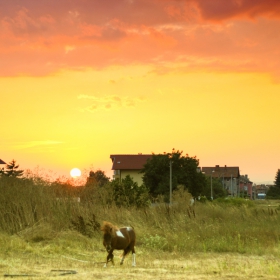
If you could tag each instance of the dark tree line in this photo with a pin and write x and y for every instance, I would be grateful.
(99, 177)
(156, 181)
(184, 172)
(12, 170)
(274, 191)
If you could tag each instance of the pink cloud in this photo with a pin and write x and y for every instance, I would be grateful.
(221, 10)
(41, 37)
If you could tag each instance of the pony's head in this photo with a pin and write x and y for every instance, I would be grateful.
(109, 233)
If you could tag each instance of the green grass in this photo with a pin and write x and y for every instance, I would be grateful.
(45, 232)
(40, 214)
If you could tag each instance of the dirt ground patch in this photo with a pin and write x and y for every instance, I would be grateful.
(149, 266)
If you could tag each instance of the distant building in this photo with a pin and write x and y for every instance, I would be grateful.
(261, 190)
(246, 187)
(228, 175)
(131, 165)
(1, 168)
(261, 196)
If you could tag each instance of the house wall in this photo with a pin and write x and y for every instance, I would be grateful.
(134, 174)
(231, 186)
(246, 187)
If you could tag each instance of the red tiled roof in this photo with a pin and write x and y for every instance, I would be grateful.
(2, 162)
(131, 162)
(222, 172)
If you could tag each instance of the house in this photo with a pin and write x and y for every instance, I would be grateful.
(261, 190)
(245, 187)
(1, 162)
(228, 175)
(124, 165)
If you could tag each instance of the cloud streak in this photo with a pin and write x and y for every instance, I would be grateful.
(36, 144)
(108, 102)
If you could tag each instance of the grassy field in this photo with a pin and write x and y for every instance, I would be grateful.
(46, 233)
(75, 257)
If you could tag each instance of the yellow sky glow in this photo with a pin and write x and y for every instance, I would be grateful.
(221, 118)
(82, 80)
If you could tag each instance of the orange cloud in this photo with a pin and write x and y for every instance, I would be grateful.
(45, 37)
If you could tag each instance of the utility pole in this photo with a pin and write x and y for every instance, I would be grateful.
(170, 185)
(211, 185)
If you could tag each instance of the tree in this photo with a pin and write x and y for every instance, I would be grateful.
(277, 179)
(12, 170)
(274, 191)
(127, 193)
(184, 172)
(99, 177)
(217, 188)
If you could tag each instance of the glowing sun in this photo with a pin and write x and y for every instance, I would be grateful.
(75, 172)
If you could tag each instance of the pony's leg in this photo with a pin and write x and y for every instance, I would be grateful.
(123, 256)
(107, 260)
(122, 259)
(110, 257)
(125, 252)
(133, 257)
(112, 260)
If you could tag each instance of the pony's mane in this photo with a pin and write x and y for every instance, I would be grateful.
(109, 228)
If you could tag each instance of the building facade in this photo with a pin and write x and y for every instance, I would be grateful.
(130, 164)
(228, 175)
(245, 187)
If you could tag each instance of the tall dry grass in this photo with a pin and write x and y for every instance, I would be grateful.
(39, 212)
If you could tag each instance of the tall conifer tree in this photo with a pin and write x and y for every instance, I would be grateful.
(12, 170)
(277, 179)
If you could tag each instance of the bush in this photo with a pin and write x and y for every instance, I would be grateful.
(155, 242)
(273, 193)
(127, 193)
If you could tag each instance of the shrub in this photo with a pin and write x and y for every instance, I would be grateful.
(127, 193)
(234, 202)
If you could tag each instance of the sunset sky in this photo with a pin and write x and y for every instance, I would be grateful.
(83, 79)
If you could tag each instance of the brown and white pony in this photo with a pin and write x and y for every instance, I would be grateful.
(118, 239)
